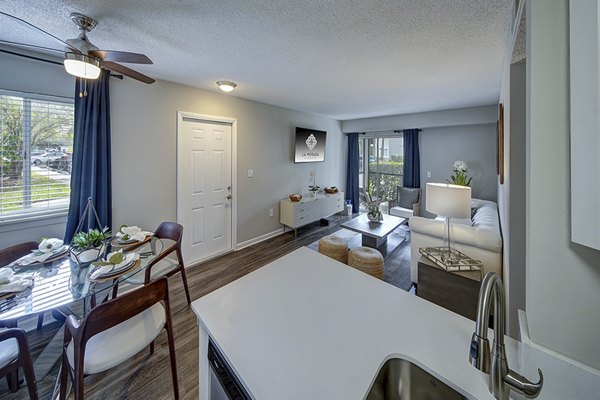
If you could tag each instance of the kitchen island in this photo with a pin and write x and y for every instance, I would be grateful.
(308, 327)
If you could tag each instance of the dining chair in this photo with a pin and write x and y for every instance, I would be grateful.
(14, 354)
(113, 332)
(13, 253)
(163, 265)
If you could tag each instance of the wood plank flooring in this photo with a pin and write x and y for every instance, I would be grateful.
(148, 377)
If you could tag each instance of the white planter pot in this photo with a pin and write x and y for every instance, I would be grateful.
(87, 256)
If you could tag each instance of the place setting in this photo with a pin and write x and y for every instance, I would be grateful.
(113, 266)
(130, 237)
(49, 250)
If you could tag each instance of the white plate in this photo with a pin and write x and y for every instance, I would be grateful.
(110, 270)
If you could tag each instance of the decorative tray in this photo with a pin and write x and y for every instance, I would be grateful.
(451, 260)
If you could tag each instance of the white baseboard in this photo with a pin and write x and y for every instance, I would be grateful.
(564, 377)
(258, 239)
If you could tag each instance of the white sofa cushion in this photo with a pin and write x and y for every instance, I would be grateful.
(9, 350)
(119, 343)
(401, 212)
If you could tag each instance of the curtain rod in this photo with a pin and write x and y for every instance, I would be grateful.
(118, 76)
(360, 133)
(418, 130)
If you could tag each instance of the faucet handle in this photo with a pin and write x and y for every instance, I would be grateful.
(522, 385)
(479, 353)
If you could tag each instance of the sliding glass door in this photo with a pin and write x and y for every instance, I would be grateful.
(380, 169)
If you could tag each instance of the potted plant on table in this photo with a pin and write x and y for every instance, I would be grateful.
(89, 246)
(374, 214)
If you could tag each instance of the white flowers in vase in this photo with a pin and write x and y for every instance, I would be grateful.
(459, 176)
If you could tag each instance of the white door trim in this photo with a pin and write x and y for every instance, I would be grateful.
(218, 119)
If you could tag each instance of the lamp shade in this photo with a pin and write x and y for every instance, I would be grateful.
(82, 66)
(448, 200)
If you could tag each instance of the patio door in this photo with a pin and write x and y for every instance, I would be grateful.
(381, 166)
(204, 187)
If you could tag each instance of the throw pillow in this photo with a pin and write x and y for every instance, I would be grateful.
(473, 211)
(407, 197)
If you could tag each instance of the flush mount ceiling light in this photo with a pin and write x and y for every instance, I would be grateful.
(82, 66)
(226, 86)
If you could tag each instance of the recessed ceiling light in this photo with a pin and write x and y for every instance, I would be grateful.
(226, 86)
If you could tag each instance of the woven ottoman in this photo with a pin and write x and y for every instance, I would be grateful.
(367, 260)
(334, 247)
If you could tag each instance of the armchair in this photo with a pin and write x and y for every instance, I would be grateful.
(408, 202)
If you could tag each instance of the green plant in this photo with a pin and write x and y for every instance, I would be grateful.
(90, 239)
(373, 210)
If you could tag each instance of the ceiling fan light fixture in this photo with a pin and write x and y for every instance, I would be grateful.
(226, 86)
(82, 66)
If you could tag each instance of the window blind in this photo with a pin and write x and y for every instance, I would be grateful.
(36, 142)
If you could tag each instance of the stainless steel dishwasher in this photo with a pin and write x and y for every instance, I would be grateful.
(224, 384)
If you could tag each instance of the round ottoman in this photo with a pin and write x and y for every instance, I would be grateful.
(334, 247)
(367, 260)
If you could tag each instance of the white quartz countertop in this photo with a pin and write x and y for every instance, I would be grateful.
(308, 327)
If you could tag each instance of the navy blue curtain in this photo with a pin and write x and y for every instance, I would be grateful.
(91, 170)
(352, 171)
(412, 169)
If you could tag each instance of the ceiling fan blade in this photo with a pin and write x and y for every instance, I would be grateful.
(121, 56)
(32, 46)
(67, 45)
(127, 72)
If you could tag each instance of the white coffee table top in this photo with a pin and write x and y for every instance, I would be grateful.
(378, 230)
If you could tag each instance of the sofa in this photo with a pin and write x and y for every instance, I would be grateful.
(478, 237)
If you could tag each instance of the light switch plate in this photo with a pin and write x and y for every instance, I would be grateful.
(250, 173)
(429, 174)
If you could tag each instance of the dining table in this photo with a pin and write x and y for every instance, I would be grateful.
(67, 287)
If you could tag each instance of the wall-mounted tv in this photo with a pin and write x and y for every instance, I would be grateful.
(310, 145)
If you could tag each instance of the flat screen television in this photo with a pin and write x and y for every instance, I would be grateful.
(310, 145)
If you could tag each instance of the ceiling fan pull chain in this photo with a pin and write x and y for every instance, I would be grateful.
(84, 93)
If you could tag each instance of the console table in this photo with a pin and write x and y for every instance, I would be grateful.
(295, 214)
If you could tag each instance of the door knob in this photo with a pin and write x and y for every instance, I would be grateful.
(228, 197)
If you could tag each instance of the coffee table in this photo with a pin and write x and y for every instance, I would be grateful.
(374, 234)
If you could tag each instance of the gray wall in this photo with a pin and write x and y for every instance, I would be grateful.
(430, 119)
(563, 278)
(24, 75)
(475, 144)
(144, 153)
(144, 150)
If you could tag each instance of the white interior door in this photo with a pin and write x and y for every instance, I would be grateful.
(204, 188)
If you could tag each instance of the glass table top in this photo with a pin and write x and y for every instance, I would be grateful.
(62, 282)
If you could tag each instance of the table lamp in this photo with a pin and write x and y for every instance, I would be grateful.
(449, 201)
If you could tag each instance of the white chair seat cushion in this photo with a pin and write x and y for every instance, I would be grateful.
(119, 343)
(160, 269)
(401, 212)
(9, 350)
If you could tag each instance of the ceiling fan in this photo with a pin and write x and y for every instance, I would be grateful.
(82, 58)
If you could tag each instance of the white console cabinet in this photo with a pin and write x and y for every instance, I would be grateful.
(310, 209)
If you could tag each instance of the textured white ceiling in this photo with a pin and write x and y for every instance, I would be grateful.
(344, 59)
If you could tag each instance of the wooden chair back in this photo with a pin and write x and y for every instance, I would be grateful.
(12, 253)
(124, 307)
(22, 361)
(169, 230)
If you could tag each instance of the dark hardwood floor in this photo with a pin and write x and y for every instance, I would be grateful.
(148, 377)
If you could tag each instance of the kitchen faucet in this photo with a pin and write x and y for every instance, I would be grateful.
(502, 379)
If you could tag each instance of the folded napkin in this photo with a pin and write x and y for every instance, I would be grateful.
(14, 284)
(133, 233)
(37, 256)
(114, 268)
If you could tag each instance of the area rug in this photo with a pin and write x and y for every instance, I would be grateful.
(396, 263)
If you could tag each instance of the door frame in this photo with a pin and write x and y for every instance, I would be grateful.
(220, 120)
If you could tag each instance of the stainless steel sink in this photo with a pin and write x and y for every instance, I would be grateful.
(399, 379)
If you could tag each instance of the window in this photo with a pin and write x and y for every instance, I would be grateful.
(36, 144)
(382, 159)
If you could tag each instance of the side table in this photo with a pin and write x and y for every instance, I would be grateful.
(446, 289)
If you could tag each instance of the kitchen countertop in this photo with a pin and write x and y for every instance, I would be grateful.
(308, 327)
